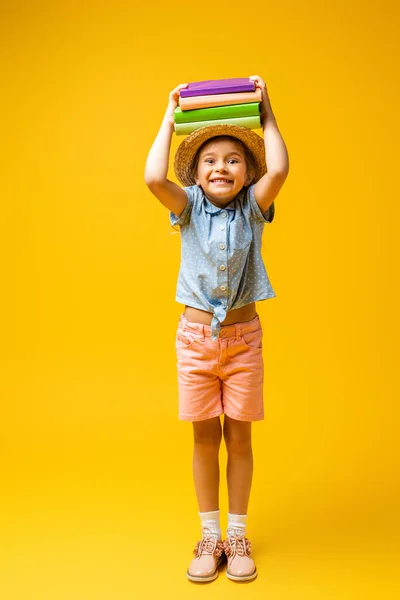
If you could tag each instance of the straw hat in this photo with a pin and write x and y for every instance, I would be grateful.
(186, 152)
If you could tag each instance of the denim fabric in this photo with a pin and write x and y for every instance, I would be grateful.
(221, 264)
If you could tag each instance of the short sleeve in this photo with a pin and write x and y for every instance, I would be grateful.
(184, 217)
(267, 216)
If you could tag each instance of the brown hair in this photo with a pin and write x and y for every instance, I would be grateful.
(250, 163)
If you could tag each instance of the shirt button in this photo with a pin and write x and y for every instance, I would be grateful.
(222, 287)
(222, 267)
(223, 215)
(222, 246)
(222, 227)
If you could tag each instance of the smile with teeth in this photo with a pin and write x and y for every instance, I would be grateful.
(221, 180)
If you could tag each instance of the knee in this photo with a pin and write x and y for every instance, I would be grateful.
(238, 439)
(208, 442)
(207, 438)
(238, 445)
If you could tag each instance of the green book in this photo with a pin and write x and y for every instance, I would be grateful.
(186, 128)
(232, 111)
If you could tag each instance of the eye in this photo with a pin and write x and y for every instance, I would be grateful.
(234, 159)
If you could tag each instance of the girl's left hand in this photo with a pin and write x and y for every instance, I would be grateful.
(265, 102)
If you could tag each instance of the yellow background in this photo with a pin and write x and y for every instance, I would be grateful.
(98, 499)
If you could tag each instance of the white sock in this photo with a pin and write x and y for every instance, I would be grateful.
(237, 522)
(211, 520)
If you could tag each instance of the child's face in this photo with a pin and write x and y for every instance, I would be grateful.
(222, 160)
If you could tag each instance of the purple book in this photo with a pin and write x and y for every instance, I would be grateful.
(218, 86)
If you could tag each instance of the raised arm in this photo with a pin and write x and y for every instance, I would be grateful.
(277, 159)
(168, 193)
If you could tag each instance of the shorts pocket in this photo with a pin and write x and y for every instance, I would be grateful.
(253, 339)
(186, 338)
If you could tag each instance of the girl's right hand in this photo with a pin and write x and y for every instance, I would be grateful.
(173, 103)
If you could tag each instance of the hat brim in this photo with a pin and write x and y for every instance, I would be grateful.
(186, 152)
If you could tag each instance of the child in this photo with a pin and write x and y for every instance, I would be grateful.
(227, 197)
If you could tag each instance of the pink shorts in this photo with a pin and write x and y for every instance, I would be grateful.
(221, 376)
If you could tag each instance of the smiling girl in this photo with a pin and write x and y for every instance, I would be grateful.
(227, 196)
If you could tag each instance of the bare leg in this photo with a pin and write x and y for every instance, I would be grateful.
(207, 440)
(239, 469)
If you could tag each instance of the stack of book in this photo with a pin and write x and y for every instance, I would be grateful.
(217, 101)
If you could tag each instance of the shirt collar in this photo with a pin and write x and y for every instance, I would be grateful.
(212, 209)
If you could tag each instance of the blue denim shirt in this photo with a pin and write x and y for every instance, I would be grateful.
(221, 264)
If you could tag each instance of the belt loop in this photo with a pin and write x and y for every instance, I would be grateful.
(237, 332)
(202, 333)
